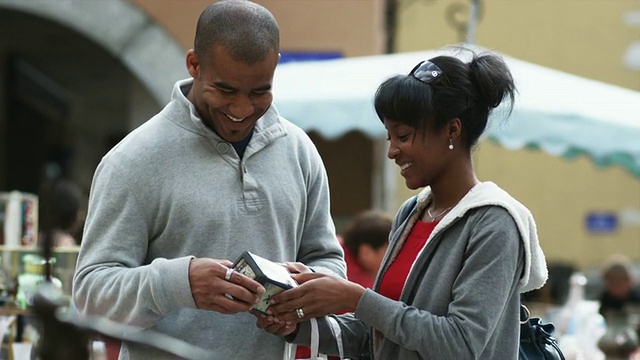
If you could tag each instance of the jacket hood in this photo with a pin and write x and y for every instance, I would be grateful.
(486, 194)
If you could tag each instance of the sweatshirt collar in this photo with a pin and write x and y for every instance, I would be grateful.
(267, 128)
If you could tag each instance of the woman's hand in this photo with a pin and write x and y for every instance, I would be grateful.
(297, 268)
(318, 295)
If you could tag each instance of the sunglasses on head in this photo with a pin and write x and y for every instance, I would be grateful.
(426, 72)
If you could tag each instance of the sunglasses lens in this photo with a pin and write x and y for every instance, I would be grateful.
(426, 72)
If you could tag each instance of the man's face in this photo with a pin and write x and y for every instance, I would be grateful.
(230, 96)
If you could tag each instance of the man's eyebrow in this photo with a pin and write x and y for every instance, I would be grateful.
(226, 86)
(263, 87)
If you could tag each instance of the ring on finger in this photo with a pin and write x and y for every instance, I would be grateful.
(300, 313)
(227, 276)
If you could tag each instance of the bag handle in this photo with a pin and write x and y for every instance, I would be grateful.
(525, 314)
(315, 339)
(290, 349)
(337, 334)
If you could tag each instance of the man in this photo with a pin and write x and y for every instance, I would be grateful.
(215, 173)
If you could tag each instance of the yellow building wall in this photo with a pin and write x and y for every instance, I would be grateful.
(352, 27)
(561, 193)
(584, 37)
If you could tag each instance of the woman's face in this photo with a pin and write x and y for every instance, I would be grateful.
(420, 154)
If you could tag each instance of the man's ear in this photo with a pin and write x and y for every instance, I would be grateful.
(193, 64)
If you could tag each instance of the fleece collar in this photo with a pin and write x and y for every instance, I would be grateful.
(488, 193)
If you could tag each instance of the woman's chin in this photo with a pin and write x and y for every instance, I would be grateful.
(411, 185)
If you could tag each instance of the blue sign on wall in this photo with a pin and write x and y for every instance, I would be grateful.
(289, 56)
(601, 222)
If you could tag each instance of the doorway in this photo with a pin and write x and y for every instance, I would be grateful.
(37, 136)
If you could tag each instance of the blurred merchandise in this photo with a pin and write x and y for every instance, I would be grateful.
(12, 265)
(579, 324)
(6, 322)
(21, 351)
(30, 281)
(18, 219)
(621, 339)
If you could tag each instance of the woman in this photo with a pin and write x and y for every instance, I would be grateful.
(460, 252)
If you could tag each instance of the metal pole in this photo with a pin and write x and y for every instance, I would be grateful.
(472, 22)
(390, 23)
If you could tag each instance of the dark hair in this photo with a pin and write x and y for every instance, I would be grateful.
(618, 265)
(60, 203)
(468, 91)
(248, 31)
(369, 227)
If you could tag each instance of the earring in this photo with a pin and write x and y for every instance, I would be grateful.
(450, 144)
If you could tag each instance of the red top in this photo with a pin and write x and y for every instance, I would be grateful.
(393, 280)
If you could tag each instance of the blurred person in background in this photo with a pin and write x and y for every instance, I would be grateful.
(460, 252)
(61, 213)
(365, 242)
(620, 289)
(217, 172)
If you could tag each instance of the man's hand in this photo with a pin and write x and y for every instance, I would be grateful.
(269, 324)
(212, 291)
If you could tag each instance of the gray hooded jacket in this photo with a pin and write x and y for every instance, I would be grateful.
(464, 303)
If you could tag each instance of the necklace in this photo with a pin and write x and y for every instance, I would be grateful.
(434, 217)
